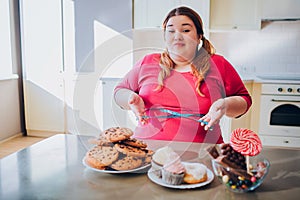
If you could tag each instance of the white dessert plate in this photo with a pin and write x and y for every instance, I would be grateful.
(159, 181)
(141, 169)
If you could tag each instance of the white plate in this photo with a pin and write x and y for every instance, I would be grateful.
(136, 170)
(159, 181)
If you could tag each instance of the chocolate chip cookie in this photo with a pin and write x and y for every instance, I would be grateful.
(130, 151)
(127, 163)
(135, 143)
(101, 141)
(116, 134)
(100, 157)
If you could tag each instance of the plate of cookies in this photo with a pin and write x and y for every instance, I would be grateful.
(116, 151)
(169, 171)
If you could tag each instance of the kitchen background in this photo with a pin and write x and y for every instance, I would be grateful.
(64, 56)
(274, 49)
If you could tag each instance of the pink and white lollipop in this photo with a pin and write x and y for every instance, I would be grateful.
(246, 142)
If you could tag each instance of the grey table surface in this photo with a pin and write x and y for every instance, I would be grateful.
(53, 169)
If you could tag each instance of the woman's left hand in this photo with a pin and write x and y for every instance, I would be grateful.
(215, 113)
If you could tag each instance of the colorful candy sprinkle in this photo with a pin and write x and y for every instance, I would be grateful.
(225, 179)
(253, 179)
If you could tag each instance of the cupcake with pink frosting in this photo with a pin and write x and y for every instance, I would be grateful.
(173, 170)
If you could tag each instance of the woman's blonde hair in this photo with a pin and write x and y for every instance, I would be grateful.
(201, 62)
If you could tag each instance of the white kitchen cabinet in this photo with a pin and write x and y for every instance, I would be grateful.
(235, 15)
(151, 13)
(277, 141)
(42, 60)
(112, 114)
(282, 9)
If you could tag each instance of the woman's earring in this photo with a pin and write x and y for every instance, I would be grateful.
(200, 43)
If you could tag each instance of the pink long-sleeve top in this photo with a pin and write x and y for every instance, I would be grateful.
(179, 94)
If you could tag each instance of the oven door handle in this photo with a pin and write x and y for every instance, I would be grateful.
(287, 101)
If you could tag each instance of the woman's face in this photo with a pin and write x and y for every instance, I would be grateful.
(181, 38)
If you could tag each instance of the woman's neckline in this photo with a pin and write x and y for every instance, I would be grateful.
(183, 69)
(187, 72)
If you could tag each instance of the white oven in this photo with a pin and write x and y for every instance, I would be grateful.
(279, 123)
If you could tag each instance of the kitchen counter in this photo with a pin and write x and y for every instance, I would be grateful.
(245, 78)
(53, 169)
(271, 78)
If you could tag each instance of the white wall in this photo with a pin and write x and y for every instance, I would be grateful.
(273, 49)
(10, 119)
(9, 108)
(97, 44)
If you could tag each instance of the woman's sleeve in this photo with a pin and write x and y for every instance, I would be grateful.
(234, 85)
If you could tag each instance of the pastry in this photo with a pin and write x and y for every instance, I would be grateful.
(173, 170)
(160, 155)
(194, 173)
(158, 160)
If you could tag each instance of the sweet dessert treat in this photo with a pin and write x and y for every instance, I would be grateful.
(231, 157)
(100, 141)
(233, 160)
(101, 156)
(212, 150)
(148, 157)
(194, 173)
(245, 142)
(167, 165)
(116, 134)
(159, 158)
(135, 143)
(127, 163)
(173, 170)
(130, 151)
(115, 149)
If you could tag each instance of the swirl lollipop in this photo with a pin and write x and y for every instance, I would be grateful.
(245, 142)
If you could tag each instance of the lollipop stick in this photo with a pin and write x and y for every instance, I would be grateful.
(248, 164)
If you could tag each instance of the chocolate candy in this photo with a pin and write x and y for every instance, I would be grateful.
(234, 171)
(212, 150)
(228, 156)
(237, 160)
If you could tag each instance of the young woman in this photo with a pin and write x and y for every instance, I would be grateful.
(188, 78)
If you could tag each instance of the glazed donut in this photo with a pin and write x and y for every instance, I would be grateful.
(194, 173)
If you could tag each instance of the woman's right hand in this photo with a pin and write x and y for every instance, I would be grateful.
(137, 105)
